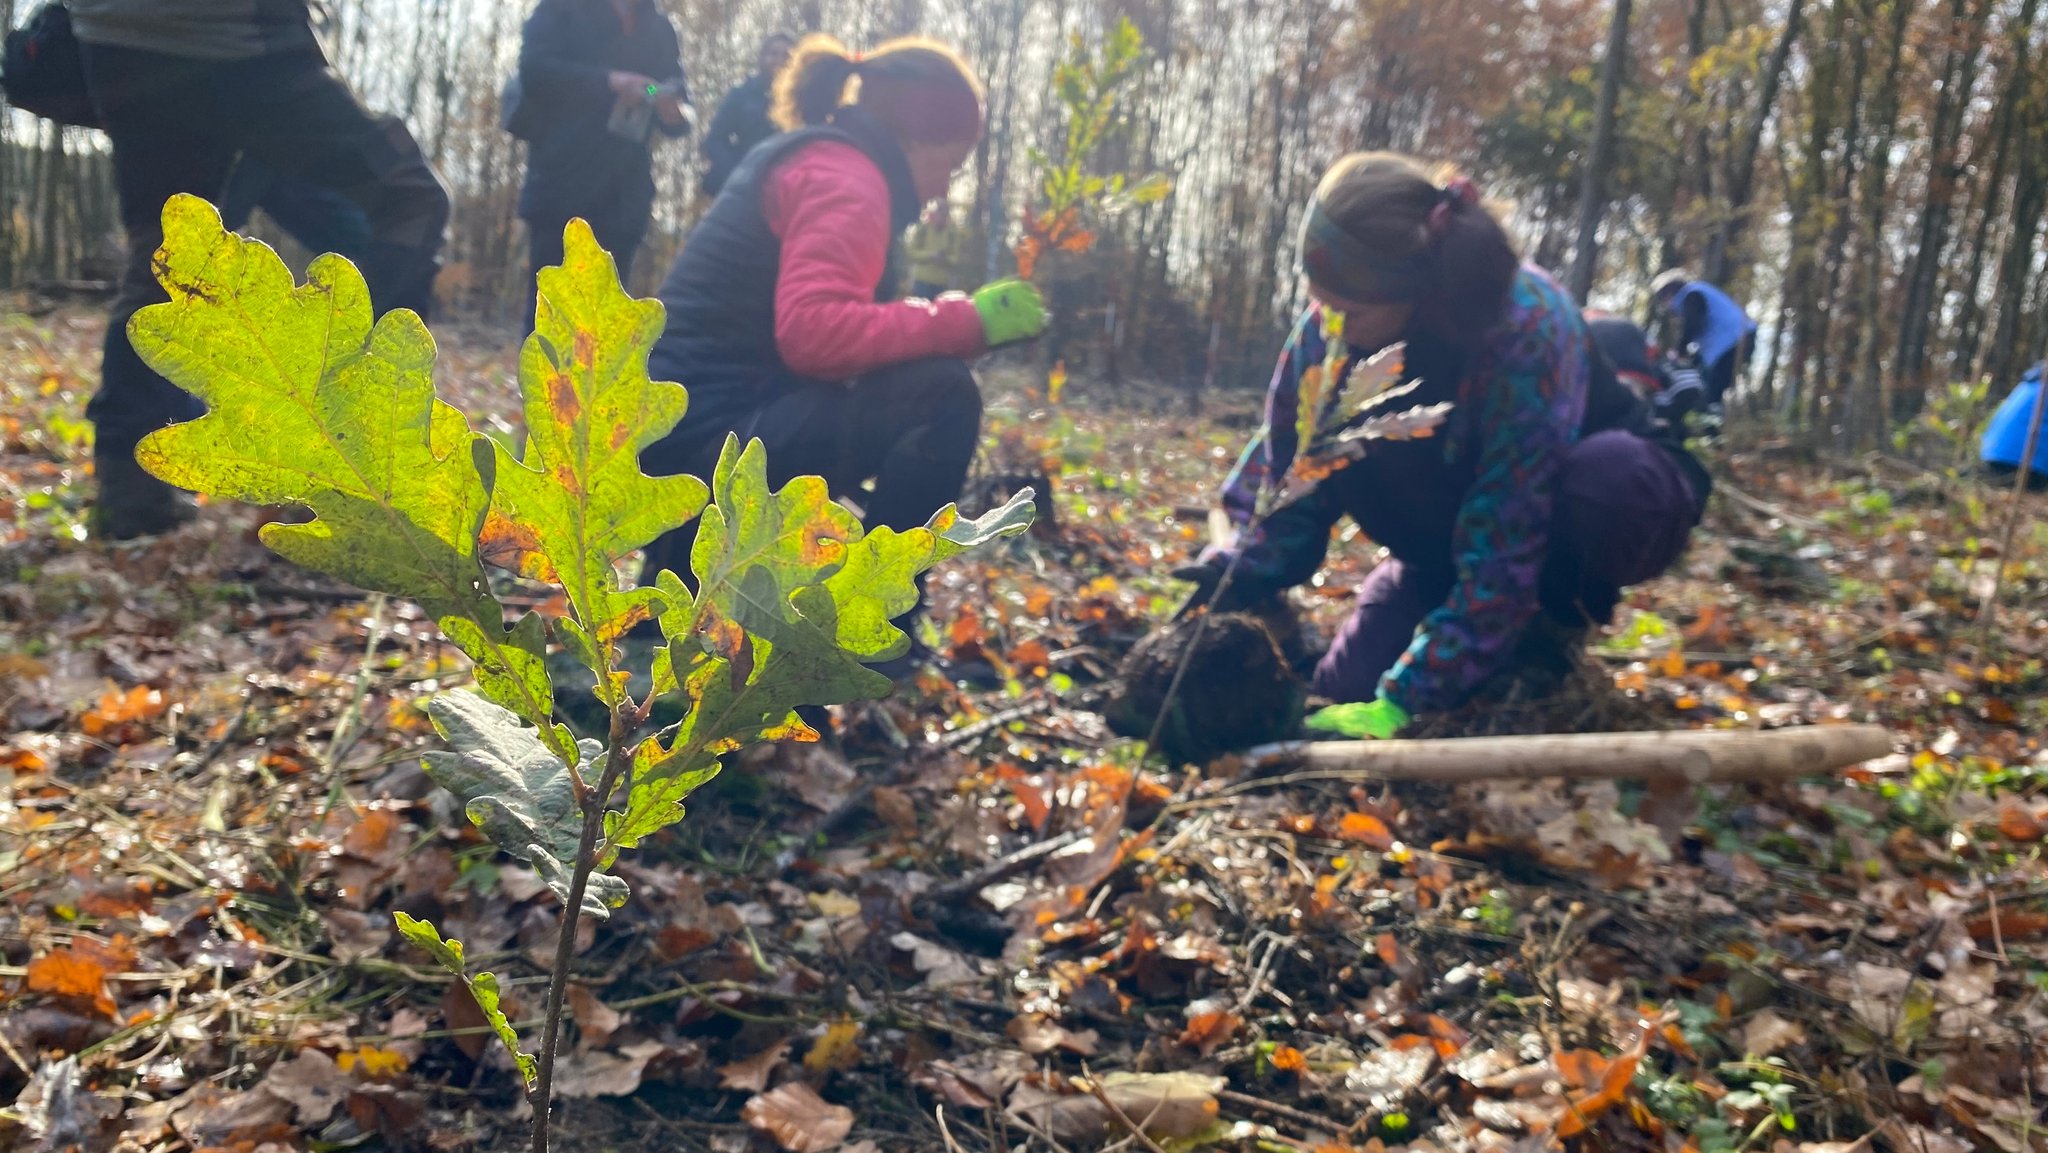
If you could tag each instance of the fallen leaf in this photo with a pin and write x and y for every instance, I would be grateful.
(214, 1118)
(798, 1119)
(837, 1048)
(70, 974)
(1209, 1027)
(372, 1062)
(896, 809)
(1037, 1034)
(941, 966)
(750, 1074)
(595, 1020)
(2019, 823)
(1367, 830)
(1288, 1059)
(586, 1073)
(1166, 1105)
(312, 1083)
(1767, 1033)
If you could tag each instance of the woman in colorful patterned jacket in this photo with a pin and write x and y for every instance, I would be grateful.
(785, 318)
(1540, 497)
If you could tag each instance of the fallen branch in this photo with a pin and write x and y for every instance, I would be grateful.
(1691, 755)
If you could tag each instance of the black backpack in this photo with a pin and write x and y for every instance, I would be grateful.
(42, 71)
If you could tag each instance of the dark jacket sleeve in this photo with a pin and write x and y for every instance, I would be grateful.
(674, 73)
(721, 140)
(547, 75)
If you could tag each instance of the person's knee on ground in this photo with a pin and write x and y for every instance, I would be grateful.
(1624, 514)
(1392, 602)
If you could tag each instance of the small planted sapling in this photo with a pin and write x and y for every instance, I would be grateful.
(314, 402)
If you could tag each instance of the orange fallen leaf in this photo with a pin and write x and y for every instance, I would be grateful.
(2018, 823)
(116, 709)
(1288, 1059)
(798, 1119)
(837, 1048)
(1367, 830)
(2010, 924)
(71, 975)
(1207, 1031)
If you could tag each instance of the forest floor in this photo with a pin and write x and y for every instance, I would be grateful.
(210, 806)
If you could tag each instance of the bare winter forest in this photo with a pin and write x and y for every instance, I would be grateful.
(1869, 176)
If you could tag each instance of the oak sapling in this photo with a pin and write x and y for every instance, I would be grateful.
(314, 402)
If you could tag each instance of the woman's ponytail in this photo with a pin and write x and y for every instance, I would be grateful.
(812, 86)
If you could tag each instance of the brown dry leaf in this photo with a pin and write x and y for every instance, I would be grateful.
(1165, 1105)
(941, 966)
(837, 1048)
(459, 1010)
(311, 1083)
(585, 1073)
(216, 1118)
(798, 1119)
(1767, 1033)
(1037, 1034)
(595, 1020)
(976, 1082)
(2018, 823)
(896, 809)
(750, 1074)
(1209, 1026)
(70, 974)
(354, 936)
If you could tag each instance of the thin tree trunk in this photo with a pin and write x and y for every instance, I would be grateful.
(1721, 250)
(1593, 193)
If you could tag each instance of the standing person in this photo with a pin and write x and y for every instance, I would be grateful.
(181, 91)
(1711, 328)
(596, 78)
(1511, 530)
(783, 317)
(744, 117)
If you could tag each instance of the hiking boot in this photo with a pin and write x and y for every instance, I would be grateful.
(131, 503)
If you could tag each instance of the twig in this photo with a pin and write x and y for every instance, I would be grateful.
(952, 1146)
(999, 870)
(1987, 613)
(1311, 1120)
(1764, 507)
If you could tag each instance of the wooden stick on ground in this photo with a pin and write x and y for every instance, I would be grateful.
(1695, 755)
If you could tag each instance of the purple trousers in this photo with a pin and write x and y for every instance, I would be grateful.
(1624, 511)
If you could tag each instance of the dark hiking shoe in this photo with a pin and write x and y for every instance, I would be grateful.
(131, 503)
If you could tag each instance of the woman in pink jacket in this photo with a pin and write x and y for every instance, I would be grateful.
(783, 314)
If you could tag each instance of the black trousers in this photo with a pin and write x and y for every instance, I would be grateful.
(177, 125)
(911, 429)
(618, 230)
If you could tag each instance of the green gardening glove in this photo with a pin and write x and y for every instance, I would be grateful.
(1360, 720)
(1011, 310)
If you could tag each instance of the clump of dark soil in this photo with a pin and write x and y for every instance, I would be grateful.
(1238, 690)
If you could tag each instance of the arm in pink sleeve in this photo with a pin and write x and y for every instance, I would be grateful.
(830, 207)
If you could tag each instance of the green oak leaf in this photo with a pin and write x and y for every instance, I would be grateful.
(310, 403)
(792, 600)
(482, 986)
(578, 500)
(518, 792)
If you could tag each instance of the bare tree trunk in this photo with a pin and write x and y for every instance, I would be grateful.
(1966, 33)
(1593, 193)
(1721, 249)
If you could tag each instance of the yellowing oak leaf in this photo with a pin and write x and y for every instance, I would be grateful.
(310, 403)
(792, 598)
(578, 501)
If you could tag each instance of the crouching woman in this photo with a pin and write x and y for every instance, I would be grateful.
(785, 319)
(1516, 526)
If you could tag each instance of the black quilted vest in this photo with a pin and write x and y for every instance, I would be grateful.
(719, 339)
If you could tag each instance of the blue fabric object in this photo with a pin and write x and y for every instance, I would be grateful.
(2005, 438)
(1727, 325)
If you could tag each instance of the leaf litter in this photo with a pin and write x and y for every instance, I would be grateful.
(211, 804)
